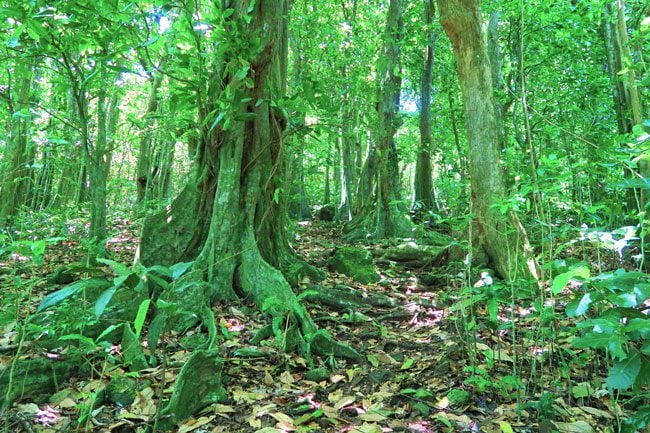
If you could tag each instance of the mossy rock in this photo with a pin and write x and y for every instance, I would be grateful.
(121, 391)
(355, 262)
(33, 378)
(325, 213)
(191, 296)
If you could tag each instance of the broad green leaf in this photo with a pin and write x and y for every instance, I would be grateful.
(78, 337)
(592, 340)
(179, 269)
(373, 360)
(505, 427)
(162, 270)
(138, 323)
(493, 309)
(408, 363)
(623, 374)
(639, 325)
(156, 328)
(60, 295)
(103, 300)
(560, 282)
(578, 307)
(117, 267)
(582, 390)
(107, 331)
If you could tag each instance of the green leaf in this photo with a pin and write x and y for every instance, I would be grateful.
(579, 306)
(156, 328)
(217, 120)
(107, 331)
(493, 309)
(560, 282)
(592, 340)
(162, 270)
(179, 269)
(78, 337)
(60, 295)
(642, 326)
(506, 427)
(408, 363)
(117, 267)
(373, 360)
(623, 374)
(138, 323)
(103, 300)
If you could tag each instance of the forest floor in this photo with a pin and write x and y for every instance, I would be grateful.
(434, 363)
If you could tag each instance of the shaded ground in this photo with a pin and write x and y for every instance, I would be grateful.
(442, 360)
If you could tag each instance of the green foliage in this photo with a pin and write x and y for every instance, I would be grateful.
(617, 325)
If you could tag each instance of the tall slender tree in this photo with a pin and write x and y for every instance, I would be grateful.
(386, 215)
(423, 185)
(500, 235)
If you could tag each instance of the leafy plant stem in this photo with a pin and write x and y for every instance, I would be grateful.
(7, 397)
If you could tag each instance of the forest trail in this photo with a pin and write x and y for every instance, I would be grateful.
(433, 362)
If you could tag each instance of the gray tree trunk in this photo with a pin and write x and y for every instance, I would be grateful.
(423, 184)
(500, 235)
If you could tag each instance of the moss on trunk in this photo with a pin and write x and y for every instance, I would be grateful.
(231, 219)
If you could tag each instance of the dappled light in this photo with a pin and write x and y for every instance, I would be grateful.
(276, 216)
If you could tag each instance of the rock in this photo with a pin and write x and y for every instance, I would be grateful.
(121, 391)
(325, 213)
(412, 255)
(35, 379)
(197, 386)
(355, 262)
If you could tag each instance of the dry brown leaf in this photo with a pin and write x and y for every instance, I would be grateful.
(286, 378)
(193, 424)
(344, 401)
(574, 427)
(596, 412)
(67, 403)
(281, 417)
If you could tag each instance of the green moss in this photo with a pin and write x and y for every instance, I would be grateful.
(355, 262)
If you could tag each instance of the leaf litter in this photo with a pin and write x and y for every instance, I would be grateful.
(426, 370)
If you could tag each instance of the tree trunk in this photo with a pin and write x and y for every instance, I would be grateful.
(423, 184)
(499, 234)
(231, 219)
(16, 175)
(347, 162)
(387, 215)
(144, 169)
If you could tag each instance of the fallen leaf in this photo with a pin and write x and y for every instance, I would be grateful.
(67, 403)
(506, 427)
(596, 412)
(345, 401)
(281, 417)
(574, 427)
(372, 416)
(194, 424)
(286, 378)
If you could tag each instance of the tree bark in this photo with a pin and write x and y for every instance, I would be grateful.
(499, 234)
(386, 217)
(231, 219)
(144, 169)
(423, 183)
(16, 174)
